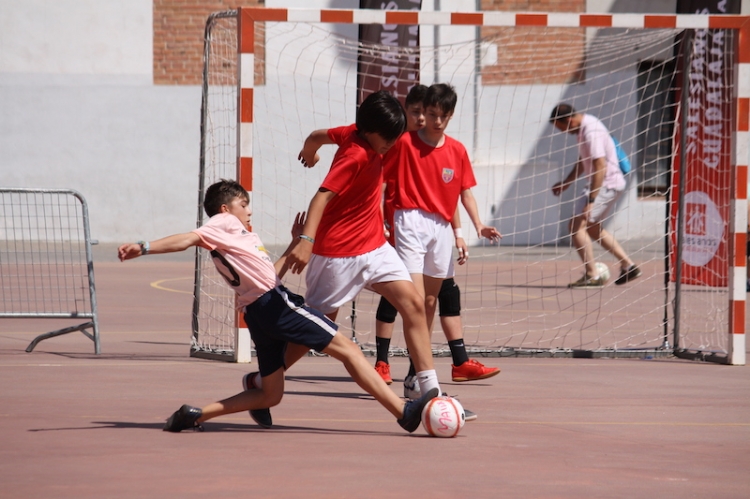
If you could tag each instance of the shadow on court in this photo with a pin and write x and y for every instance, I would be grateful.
(77, 425)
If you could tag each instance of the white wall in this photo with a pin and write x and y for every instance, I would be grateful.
(78, 110)
(76, 37)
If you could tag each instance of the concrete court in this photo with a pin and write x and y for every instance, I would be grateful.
(76, 425)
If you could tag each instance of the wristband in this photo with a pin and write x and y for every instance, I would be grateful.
(591, 200)
(307, 238)
(144, 247)
(458, 233)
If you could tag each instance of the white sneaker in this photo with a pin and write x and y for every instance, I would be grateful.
(411, 388)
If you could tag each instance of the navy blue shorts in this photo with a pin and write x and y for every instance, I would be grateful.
(280, 317)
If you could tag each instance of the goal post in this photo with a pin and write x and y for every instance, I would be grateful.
(294, 70)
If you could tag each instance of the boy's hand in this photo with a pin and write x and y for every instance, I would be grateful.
(128, 251)
(490, 233)
(558, 188)
(299, 256)
(308, 158)
(299, 224)
(463, 250)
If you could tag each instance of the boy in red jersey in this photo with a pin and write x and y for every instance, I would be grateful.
(343, 238)
(449, 296)
(448, 293)
(274, 315)
(431, 171)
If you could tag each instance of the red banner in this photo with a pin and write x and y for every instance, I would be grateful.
(389, 53)
(707, 155)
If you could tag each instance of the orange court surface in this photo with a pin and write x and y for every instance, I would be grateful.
(78, 425)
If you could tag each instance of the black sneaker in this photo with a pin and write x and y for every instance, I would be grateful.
(413, 411)
(468, 415)
(260, 416)
(184, 418)
(628, 275)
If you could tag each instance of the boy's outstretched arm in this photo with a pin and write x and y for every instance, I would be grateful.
(491, 233)
(308, 156)
(169, 244)
(302, 246)
(281, 265)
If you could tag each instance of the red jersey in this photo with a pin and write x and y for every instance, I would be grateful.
(338, 135)
(352, 223)
(426, 177)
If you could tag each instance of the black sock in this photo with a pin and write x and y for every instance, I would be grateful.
(412, 371)
(458, 351)
(382, 345)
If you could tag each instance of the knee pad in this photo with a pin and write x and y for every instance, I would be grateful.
(449, 299)
(386, 312)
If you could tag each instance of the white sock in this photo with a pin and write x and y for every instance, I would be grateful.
(258, 381)
(428, 380)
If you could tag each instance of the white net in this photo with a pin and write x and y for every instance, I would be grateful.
(214, 317)
(515, 296)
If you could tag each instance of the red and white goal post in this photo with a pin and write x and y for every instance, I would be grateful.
(273, 75)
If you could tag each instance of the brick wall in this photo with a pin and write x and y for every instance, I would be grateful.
(178, 37)
(179, 25)
(533, 55)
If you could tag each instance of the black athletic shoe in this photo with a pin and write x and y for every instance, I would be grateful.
(628, 275)
(184, 418)
(413, 411)
(260, 416)
(468, 415)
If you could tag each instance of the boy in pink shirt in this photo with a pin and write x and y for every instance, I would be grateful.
(275, 316)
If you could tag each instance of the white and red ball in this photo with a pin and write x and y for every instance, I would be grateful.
(603, 270)
(443, 417)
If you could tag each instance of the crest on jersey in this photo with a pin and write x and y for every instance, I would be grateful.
(447, 175)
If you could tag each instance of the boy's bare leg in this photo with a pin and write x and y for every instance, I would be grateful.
(404, 296)
(268, 396)
(342, 349)
(384, 329)
(431, 290)
(609, 243)
(452, 327)
(582, 243)
(293, 353)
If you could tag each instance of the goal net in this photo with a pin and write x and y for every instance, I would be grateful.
(509, 72)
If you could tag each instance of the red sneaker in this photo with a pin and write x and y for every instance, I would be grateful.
(384, 370)
(472, 370)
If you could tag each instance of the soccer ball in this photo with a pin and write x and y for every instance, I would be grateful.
(603, 270)
(443, 417)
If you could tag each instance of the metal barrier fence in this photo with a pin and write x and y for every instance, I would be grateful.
(46, 264)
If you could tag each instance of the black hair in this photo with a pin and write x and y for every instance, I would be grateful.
(441, 96)
(383, 114)
(222, 192)
(562, 111)
(416, 95)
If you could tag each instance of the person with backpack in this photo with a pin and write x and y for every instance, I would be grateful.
(598, 161)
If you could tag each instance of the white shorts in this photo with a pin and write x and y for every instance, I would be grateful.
(331, 282)
(425, 243)
(604, 203)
